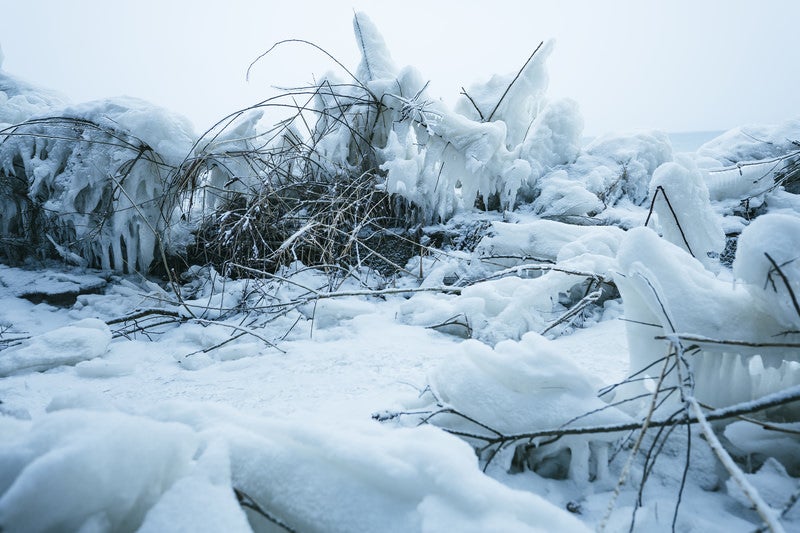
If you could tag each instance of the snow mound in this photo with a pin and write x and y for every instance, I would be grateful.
(81, 341)
(96, 471)
(178, 467)
(520, 387)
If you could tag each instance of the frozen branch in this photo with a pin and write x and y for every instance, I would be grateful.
(765, 511)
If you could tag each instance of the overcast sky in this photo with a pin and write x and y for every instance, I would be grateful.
(674, 65)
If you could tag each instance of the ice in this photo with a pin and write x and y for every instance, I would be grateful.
(755, 440)
(768, 260)
(684, 213)
(20, 101)
(772, 483)
(92, 181)
(515, 98)
(618, 168)
(509, 244)
(665, 290)
(744, 162)
(376, 61)
(524, 386)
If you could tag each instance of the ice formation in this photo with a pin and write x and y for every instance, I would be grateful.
(667, 292)
(744, 162)
(768, 261)
(92, 181)
(526, 386)
(542, 268)
(611, 170)
(492, 148)
(684, 214)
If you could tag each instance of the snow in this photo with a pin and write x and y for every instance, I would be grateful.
(81, 341)
(684, 213)
(771, 243)
(339, 399)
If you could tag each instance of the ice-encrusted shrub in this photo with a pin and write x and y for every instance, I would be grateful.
(502, 136)
(484, 393)
(611, 170)
(92, 183)
(741, 333)
(368, 153)
(746, 162)
(534, 274)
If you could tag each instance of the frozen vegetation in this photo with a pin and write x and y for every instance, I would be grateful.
(384, 314)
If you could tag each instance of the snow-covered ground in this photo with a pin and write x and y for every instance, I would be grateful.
(534, 370)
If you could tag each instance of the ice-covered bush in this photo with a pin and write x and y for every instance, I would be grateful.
(612, 169)
(748, 161)
(535, 276)
(92, 182)
(743, 341)
(501, 137)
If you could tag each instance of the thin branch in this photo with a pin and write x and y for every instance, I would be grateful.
(767, 514)
(708, 340)
(786, 282)
(674, 216)
(478, 109)
(784, 397)
(246, 501)
(574, 310)
(489, 119)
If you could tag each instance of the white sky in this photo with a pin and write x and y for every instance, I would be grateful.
(674, 65)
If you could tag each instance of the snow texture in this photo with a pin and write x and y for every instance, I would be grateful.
(254, 397)
(81, 341)
(174, 469)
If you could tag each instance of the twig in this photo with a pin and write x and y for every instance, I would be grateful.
(574, 310)
(766, 513)
(246, 501)
(516, 270)
(489, 119)
(707, 340)
(674, 216)
(141, 314)
(243, 329)
(785, 282)
(478, 109)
